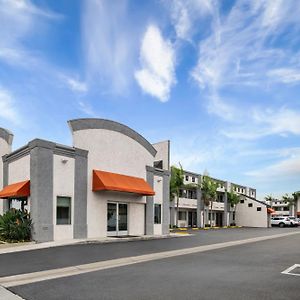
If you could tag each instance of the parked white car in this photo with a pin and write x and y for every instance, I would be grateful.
(284, 221)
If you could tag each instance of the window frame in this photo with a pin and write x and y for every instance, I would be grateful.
(157, 217)
(69, 207)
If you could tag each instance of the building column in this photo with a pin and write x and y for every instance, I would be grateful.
(41, 190)
(5, 202)
(172, 215)
(149, 226)
(80, 194)
(226, 215)
(166, 204)
(199, 209)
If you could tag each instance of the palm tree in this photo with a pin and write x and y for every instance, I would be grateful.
(269, 199)
(290, 200)
(296, 196)
(208, 194)
(233, 199)
(176, 183)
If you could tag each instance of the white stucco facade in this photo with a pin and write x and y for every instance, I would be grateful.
(63, 186)
(113, 152)
(251, 213)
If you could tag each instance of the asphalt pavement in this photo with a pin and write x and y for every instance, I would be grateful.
(250, 271)
(65, 256)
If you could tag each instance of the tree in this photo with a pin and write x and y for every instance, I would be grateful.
(233, 199)
(176, 183)
(208, 193)
(270, 199)
(290, 200)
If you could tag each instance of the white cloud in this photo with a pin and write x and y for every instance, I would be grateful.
(184, 15)
(157, 57)
(7, 108)
(74, 84)
(87, 109)
(262, 123)
(19, 19)
(283, 169)
(285, 75)
(109, 44)
(239, 49)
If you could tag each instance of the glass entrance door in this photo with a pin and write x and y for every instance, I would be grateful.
(117, 219)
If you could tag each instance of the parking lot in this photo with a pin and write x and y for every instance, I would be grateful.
(246, 271)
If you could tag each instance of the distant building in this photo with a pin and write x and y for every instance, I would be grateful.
(192, 212)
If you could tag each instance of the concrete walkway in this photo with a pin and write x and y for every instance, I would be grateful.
(27, 246)
(21, 279)
(7, 295)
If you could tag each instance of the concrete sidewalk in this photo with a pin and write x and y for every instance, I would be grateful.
(27, 246)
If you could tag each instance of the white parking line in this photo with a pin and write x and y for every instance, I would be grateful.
(21, 279)
(288, 270)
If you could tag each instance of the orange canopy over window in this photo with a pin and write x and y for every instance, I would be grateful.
(16, 190)
(271, 210)
(106, 181)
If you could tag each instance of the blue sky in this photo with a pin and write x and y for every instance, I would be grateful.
(220, 79)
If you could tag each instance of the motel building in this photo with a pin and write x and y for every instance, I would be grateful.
(111, 182)
(192, 212)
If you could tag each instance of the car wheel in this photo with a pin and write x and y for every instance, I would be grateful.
(281, 225)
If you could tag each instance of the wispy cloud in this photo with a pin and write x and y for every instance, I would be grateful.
(241, 48)
(283, 169)
(184, 16)
(157, 57)
(87, 109)
(285, 75)
(74, 84)
(8, 110)
(19, 19)
(108, 44)
(263, 123)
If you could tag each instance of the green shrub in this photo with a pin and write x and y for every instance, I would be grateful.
(15, 225)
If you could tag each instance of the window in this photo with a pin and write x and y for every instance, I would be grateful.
(242, 201)
(182, 215)
(157, 213)
(63, 210)
(193, 179)
(186, 178)
(250, 204)
(211, 216)
(258, 208)
(220, 198)
(158, 164)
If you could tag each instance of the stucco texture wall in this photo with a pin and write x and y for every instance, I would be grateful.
(249, 216)
(113, 152)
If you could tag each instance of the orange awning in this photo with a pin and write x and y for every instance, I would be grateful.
(271, 210)
(16, 190)
(106, 181)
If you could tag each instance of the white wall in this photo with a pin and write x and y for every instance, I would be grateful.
(4, 149)
(63, 185)
(249, 216)
(136, 212)
(19, 170)
(113, 152)
(162, 149)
